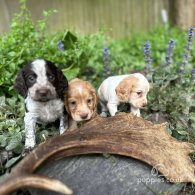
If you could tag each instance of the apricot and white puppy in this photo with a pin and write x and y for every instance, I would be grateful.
(130, 89)
(80, 102)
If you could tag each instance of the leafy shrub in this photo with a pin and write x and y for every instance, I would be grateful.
(22, 44)
(172, 94)
(173, 89)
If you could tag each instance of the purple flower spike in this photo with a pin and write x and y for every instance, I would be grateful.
(147, 55)
(106, 60)
(190, 38)
(106, 54)
(188, 49)
(61, 46)
(193, 73)
(169, 54)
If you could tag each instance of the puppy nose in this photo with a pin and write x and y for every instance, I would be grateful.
(43, 92)
(84, 115)
(144, 104)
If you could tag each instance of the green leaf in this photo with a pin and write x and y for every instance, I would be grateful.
(12, 161)
(13, 144)
(15, 141)
(14, 24)
(192, 117)
(71, 73)
(69, 40)
(3, 140)
(12, 54)
(2, 101)
(45, 13)
(10, 122)
(18, 149)
(183, 132)
(12, 102)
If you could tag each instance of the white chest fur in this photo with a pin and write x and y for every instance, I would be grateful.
(45, 111)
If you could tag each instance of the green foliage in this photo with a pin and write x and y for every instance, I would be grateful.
(172, 91)
(172, 94)
(25, 41)
(12, 128)
(11, 124)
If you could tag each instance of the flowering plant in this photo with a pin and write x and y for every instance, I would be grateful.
(173, 89)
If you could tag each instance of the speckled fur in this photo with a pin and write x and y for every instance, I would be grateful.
(45, 109)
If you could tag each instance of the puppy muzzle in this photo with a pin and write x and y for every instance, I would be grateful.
(43, 95)
(82, 117)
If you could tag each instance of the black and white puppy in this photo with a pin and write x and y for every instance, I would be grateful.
(43, 86)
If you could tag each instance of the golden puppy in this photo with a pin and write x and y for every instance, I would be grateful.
(80, 102)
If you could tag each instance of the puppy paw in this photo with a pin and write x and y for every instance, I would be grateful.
(63, 130)
(136, 114)
(135, 111)
(103, 114)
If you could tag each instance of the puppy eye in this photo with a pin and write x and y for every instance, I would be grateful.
(89, 101)
(139, 93)
(31, 78)
(51, 78)
(73, 103)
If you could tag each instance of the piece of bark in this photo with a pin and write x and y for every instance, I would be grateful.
(123, 134)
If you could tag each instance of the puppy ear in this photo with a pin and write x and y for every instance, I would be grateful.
(125, 87)
(94, 94)
(66, 102)
(62, 85)
(20, 85)
(122, 94)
